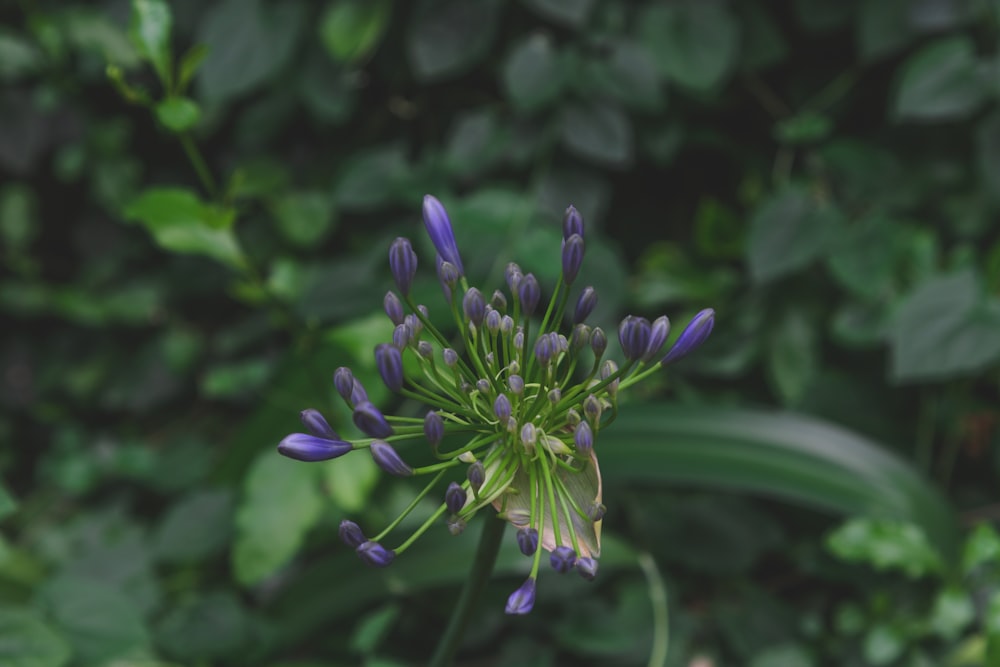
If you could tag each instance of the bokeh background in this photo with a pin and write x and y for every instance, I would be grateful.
(196, 202)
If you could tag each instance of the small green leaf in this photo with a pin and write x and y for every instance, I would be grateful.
(150, 34)
(694, 43)
(196, 527)
(803, 128)
(189, 65)
(351, 29)
(981, 547)
(787, 232)
(885, 545)
(793, 356)
(883, 644)
(281, 504)
(236, 379)
(533, 74)
(304, 217)
(952, 613)
(350, 483)
(178, 114)
(180, 222)
(447, 37)
(372, 178)
(600, 132)
(941, 82)
(25, 641)
(18, 56)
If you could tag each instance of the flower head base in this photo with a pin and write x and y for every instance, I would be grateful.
(517, 402)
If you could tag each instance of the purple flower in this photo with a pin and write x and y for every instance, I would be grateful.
(450, 357)
(302, 447)
(448, 276)
(493, 319)
(389, 361)
(530, 293)
(433, 428)
(587, 567)
(442, 235)
(316, 424)
(527, 540)
(572, 222)
(546, 347)
(388, 459)
(454, 498)
(474, 306)
(401, 336)
(633, 334)
(657, 337)
(516, 384)
(375, 554)
(522, 600)
(583, 437)
(351, 535)
(694, 334)
(529, 436)
(598, 342)
(393, 307)
(502, 408)
(403, 264)
(343, 380)
(585, 304)
(512, 275)
(572, 257)
(371, 421)
(562, 559)
(476, 474)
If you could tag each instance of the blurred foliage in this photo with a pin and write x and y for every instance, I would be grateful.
(195, 205)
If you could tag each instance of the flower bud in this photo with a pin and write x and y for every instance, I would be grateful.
(506, 324)
(454, 498)
(388, 459)
(562, 559)
(316, 424)
(657, 337)
(585, 305)
(592, 409)
(519, 339)
(527, 540)
(310, 448)
(375, 554)
(609, 368)
(414, 324)
(474, 306)
(483, 386)
(358, 393)
(371, 421)
(393, 307)
(351, 535)
(476, 475)
(498, 301)
(442, 235)
(596, 511)
(493, 321)
(522, 600)
(583, 437)
(448, 276)
(579, 337)
(450, 357)
(433, 428)
(516, 384)
(633, 335)
(529, 436)
(403, 264)
(572, 258)
(502, 408)
(554, 395)
(425, 349)
(572, 222)
(598, 342)
(389, 361)
(694, 334)
(573, 417)
(587, 567)
(546, 347)
(530, 293)
(401, 336)
(512, 274)
(343, 381)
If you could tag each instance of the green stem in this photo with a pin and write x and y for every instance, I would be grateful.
(199, 165)
(482, 567)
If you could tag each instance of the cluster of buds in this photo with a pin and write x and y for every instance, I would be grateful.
(523, 401)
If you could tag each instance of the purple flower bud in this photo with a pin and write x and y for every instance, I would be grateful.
(302, 447)
(358, 393)
(483, 385)
(587, 567)
(442, 235)
(476, 474)
(519, 339)
(573, 417)
(413, 323)
(554, 395)
(403, 264)
(371, 421)
(498, 301)
(493, 321)
(592, 408)
(474, 306)
(506, 324)
(609, 368)
(401, 336)
(454, 498)
(351, 535)
(572, 258)
(343, 380)
(530, 293)
(633, 334)
(448, 276)
(490, 358)
(516, 384)
(546, 347)
(585, 304)
(562, 559)
(450, 357)
(388, 459)
(433, 428)
(512, 274)
(583, 437)
(572, 222)
(598, 342)
(596, 511)
(529, 436)
(316, 424)
(389, 361)
(579, 337)
(375, 554)
(694, 335)
(425, 349)
(393, 307)
(527, 540)
(522, 600)
(502, 408)
(657, 337)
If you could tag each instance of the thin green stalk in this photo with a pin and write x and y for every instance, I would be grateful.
(199, 165)
(482, 568)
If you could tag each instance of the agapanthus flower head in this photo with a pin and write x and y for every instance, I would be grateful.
(516, 402)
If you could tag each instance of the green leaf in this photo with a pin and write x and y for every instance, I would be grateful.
(945, 328)
(304, 217)
(793, 457)
(249, 44)
(350, 483)
(865, 258)
(448, 37)
(18, 56)
(571, 13)
(694, 43)
(99, 621)
(533, 74)
(372, 178)
(981, 547)
(627, 74)
(196, 527)
(180, 222)
(599, 132)
(281, 504)
(205, 629)
(793, 356)
(885, 545)
(351, 29)
(952, 613)
(150, 34)
(178, 114)
(883, 644)
(189, 65)
(940, 82)
(25, 641)
(803, 128)
(787, 232)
